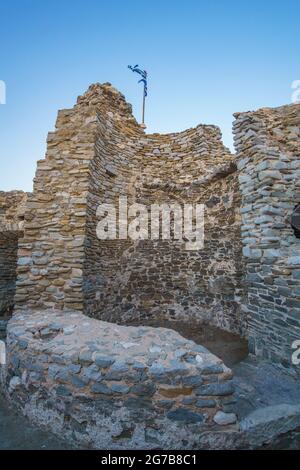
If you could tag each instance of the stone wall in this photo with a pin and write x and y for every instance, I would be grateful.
(161, 279)
(267, 143)
(8, 267)
(115, 387)
(54, 247)
(12, 207)
(98, 153)
(12, 210)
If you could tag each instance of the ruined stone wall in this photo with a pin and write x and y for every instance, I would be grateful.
(52, 253)
(12, 207)
(8, 266)
(97, 153)
(111, 176)
(161, 279)
(267, 143)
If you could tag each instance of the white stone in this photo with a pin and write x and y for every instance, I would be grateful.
(128, 345)
(199, 359)
(155, 349)
(223, 419)
(14, 383)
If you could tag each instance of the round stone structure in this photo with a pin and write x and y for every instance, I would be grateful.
(111, 386)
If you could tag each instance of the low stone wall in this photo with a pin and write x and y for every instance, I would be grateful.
(110, 386)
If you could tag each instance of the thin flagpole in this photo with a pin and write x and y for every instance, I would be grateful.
(143, 74)
(144, 102)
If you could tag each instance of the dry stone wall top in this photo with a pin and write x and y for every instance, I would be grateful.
(118, 387)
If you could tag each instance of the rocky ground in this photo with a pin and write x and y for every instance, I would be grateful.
(17, 433)
(265, 392)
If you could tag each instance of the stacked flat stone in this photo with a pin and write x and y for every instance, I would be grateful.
(112, 385)
(12, 209)
(97, 153)
(267, 143)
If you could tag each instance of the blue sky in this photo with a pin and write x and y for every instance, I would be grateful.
(205, 59)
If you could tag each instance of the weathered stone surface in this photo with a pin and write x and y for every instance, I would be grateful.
(185, 416)
(214, 389)
(123, 392)
(267, 145)
(223, 419)
(137, 374)
(97, 153)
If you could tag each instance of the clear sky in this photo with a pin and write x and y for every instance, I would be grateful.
(205, 58)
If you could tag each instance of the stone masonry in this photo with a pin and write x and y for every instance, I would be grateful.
(98, 153)
(72, 363)
(115, 386)
(12, 207)
(267, 142)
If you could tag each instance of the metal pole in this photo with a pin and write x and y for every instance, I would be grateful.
(143, 73)
(143, 113)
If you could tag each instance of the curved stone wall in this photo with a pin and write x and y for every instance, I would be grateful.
(97, 154)
(136, 279)
(110, 386)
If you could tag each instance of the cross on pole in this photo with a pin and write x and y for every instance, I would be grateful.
(143, 80)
